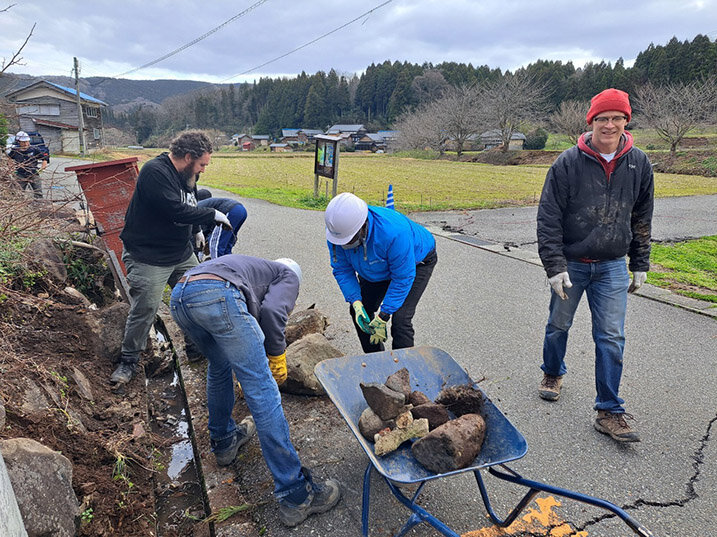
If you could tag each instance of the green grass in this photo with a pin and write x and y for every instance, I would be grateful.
(688, 268)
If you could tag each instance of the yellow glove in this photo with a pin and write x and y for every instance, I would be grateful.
(362, 318)
(378, 326)
(277, 364)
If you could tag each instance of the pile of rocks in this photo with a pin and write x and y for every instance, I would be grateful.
(396, 413)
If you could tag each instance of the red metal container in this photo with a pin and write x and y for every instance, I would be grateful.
(108, 188)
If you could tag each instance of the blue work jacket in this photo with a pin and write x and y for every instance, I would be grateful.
(393, 246)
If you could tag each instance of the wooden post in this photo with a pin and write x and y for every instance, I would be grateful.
(316, 185)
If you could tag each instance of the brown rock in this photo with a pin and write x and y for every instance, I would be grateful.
(301, 358)
(436, 414)
(304, 322)
(400, 382)
(452, 446)
(418, 398)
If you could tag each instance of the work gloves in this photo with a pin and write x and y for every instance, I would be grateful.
(559, 281)
(362, 318)
(638, 278)
(221, 219)
(277, 364)
(378, 330)
(199, 241)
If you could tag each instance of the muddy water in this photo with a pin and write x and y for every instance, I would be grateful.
(180, 498)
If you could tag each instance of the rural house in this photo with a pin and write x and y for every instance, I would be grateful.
(260, 139)
(371, 142)
(356, 132)
(280, 148)
(298, 137)
(491, 139)
(51, 110)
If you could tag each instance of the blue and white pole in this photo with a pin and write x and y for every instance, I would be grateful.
(389, 197)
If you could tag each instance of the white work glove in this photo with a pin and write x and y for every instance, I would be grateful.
(559, 281)
(221, 219)
(638, 278)
(199, 240)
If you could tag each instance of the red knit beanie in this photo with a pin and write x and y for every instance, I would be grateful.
(609, 99)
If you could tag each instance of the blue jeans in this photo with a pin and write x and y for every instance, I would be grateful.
(605, 284)
(221, 241)
(214, 314)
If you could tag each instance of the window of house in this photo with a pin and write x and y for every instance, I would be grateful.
(39, 109)
(96, 133)
(90, 111)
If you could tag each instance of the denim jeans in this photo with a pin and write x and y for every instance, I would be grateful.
(372, 294)
(146, 285)
(221, 241)
(214, 314)
(605, 283)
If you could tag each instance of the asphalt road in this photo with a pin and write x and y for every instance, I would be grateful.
(488, 312)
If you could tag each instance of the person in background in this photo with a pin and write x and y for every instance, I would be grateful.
(382, 261)
(27, 159)
(158, 236)
(235, 308)
(596, 208)
(220, 241)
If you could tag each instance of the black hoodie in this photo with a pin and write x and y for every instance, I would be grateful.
(161, 215)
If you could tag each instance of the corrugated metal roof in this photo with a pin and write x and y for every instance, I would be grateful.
(71, 91)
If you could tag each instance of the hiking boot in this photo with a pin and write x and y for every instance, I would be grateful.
(124, 373)
(245, 430)
(550, 387)
(616, 426)
(320, 498)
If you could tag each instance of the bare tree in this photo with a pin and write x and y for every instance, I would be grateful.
(672, 110)
(510, 101)
(15, 59)
(421, 129)
(569, 119)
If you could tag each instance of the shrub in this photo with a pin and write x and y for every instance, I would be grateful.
(536, 139)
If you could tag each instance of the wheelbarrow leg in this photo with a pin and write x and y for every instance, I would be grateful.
(536, 487)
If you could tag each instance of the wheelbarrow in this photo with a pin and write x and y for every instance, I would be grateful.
(432, 370)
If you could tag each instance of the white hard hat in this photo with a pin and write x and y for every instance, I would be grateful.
(293, 265)
(344, 216)
(22, 136)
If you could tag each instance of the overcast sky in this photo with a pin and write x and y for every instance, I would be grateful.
(111, 37)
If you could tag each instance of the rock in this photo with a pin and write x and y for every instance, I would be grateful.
(108, 324)
(462, 399)
(452, 446)
(389, 440)
(44, 256)
(370, 424)
(384, 401)
(83, 385)
(42, 481)
(304, 322)
(418, 398)
(301, 358)
(400, 382)
(34, 399)
(77, 297)
(436, 414)
(10, 520)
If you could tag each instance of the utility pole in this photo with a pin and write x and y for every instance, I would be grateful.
(81, 121)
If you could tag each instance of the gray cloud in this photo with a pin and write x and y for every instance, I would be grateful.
(112, 37)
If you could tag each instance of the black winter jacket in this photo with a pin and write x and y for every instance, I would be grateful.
(592, 209)
(161, 215)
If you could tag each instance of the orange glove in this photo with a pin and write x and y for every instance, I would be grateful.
(277, 364)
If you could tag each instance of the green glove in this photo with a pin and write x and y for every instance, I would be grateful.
(378, 326)
(362, 319)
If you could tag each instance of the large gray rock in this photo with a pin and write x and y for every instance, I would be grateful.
(42, 481)
(301, 358)
(44, 256)
(108, 324)
(305, 322)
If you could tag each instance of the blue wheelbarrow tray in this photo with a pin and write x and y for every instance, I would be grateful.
(431, 370)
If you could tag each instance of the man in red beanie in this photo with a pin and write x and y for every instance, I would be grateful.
(595, 209)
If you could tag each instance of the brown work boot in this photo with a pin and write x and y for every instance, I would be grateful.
(616, 426)
(550, 387)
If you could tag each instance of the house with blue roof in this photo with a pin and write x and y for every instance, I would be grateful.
(51, 110)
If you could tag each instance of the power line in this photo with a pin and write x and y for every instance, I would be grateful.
(193, 42)
(310, 42)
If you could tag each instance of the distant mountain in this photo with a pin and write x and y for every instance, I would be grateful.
(119, 93)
